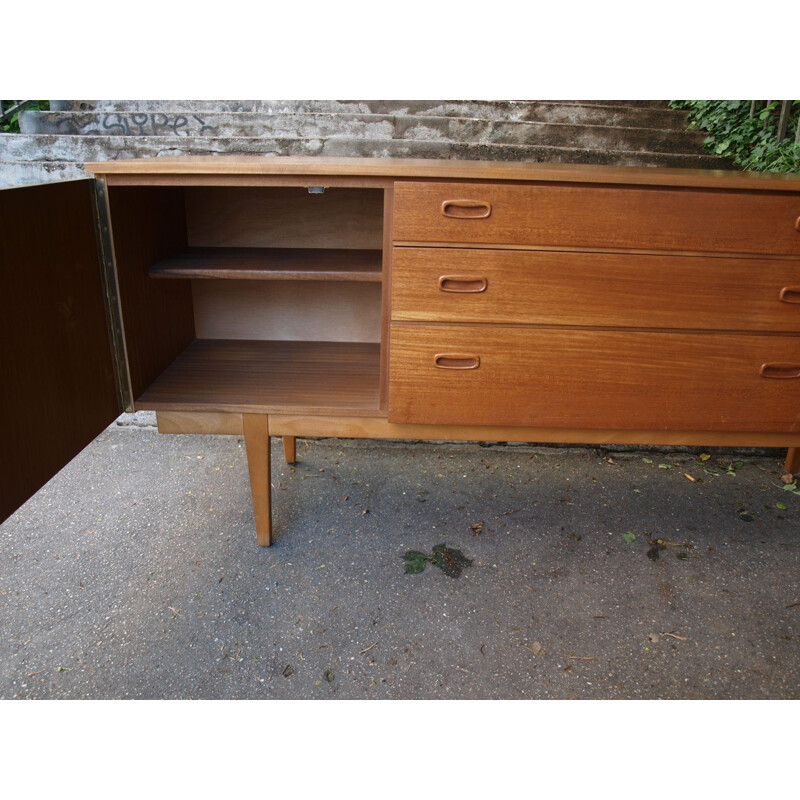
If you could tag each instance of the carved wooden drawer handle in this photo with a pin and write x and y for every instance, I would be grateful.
(780, 370)
(456, 361)
(466, 209)
(790, 294)
(465, 284)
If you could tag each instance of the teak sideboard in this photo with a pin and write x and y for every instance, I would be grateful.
(397, 298)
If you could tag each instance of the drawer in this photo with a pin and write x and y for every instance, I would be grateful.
(595, 289)
(597, 217)
(635, 380)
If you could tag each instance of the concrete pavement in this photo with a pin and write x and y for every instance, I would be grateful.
(135, 574)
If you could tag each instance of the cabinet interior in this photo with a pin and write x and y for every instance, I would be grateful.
(260, 299)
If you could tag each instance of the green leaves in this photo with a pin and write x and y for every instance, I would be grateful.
(11, 125)
(415, 561)
(629, 537)
(750, 142)
(451, 562)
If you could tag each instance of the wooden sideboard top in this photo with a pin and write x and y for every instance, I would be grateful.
(390, 168)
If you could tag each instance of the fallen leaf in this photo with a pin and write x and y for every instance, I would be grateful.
(787, 477)
(415, 561)
(781, 506)
(288, 670)
(451, 562)
(654, 637)
(477, 528)
(675, 636)
(665, 466)
(704, 457)
(629, 537)
(536, 649)
(329, 675)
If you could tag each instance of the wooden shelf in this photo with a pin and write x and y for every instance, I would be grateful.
(272, 263)
(270, 377)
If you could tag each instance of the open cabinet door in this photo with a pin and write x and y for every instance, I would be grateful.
(57, 380)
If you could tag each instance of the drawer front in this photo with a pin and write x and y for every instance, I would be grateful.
(595, 289)
(495, 375)
(597, 217)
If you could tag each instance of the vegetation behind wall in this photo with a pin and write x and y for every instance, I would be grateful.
(752, 142)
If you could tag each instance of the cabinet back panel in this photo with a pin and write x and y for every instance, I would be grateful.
(284, 217)
(148, 225)
(294, 310)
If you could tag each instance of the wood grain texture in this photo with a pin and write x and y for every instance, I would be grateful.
(208, 179)
(386, 298)
(792, 464)
(300, 310)
(593, 378)
(320, 167)
(267, 263)
(285, 217)
(199, 422)
(259, 466)
(590, 289)
(381, 428)
(290, 449)
(602, 217)
(148, 225)
(57, 384)
(267, 376)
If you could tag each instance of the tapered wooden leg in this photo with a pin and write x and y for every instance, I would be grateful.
(289, 449)
(256, 442)
(792, 460)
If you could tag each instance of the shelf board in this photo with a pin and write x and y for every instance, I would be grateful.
(269, 377)
(272, 263)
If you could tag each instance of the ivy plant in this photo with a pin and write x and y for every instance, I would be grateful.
(750, 142)
(11, 125)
